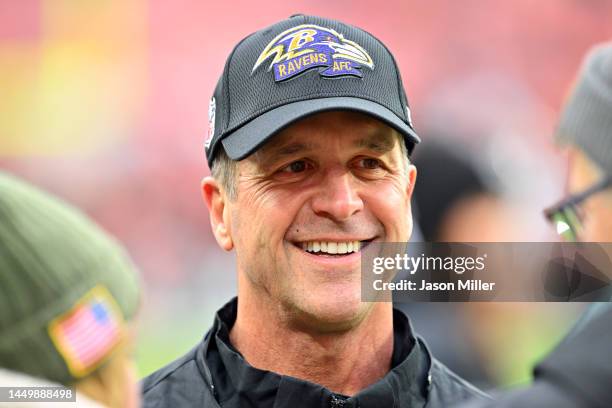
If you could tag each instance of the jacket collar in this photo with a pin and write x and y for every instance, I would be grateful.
(236, 383)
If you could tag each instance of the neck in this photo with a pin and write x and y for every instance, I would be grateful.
(344, 362)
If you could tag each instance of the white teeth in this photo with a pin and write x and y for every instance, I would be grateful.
(331, 247)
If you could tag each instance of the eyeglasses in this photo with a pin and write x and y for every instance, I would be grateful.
(566, 215)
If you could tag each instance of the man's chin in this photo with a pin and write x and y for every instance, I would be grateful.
(327, 314)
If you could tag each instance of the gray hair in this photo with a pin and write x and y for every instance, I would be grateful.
(225, 171)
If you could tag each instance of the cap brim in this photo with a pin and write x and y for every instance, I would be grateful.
(248, 138)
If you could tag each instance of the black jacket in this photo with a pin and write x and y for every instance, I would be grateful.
(214, 374)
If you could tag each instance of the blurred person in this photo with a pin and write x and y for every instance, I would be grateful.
(578, 373)
(454, 202)
(310, 133)
(462, 200)
(68, 295)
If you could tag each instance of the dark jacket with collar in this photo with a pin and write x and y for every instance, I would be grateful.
(214, 374)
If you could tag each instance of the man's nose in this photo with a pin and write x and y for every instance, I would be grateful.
(338, 196)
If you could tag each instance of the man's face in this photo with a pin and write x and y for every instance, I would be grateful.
(332, 182)
(596, 211)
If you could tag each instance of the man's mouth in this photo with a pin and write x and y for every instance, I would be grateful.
(333, 248)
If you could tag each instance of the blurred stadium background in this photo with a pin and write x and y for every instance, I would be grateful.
(105, 104)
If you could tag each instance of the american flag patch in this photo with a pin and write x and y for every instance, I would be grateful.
(87, 333)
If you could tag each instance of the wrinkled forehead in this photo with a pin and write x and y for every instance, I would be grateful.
(326, 130)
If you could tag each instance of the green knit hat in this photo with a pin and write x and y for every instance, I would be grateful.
(67, 289)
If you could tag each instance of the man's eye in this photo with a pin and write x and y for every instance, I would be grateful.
(369, 163)
(297, 166)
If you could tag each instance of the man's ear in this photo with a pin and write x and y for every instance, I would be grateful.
(219, 212)
(412, 176)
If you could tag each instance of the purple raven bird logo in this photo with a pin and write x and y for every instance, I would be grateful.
(309, 46)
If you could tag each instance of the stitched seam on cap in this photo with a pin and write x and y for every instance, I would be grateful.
(227, 82)
(398, 78)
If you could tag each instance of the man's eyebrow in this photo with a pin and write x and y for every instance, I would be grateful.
(378, 142)
(287, 150)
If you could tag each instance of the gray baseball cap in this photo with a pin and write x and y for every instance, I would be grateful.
(586, 119)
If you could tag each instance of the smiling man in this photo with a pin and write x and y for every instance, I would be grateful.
(309, 139)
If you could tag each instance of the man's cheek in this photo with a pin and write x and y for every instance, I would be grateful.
(388, 201)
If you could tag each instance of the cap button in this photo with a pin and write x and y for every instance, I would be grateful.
(296, 15)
